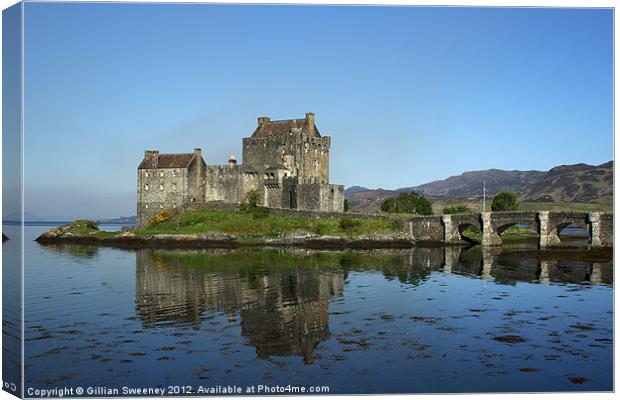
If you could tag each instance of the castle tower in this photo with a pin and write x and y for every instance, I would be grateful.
(293, 144)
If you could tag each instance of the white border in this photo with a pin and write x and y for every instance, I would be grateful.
(478, 3)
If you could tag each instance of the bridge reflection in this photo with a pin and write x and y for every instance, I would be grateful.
(282, 297)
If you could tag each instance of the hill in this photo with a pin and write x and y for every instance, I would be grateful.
(581, 183)
(573, 183)
(470, 183)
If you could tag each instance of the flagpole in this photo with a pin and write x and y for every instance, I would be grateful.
(484, 195)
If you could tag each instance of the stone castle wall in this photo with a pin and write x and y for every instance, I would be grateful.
(288, 170)
(223, 183)
(160, 189)
(303, 156)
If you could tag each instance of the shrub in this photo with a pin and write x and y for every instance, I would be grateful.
(456, 209)
(349, 224)
(424, 207)
(410, 203)
(389, 205)
(250, 201)
(159, 218)
(505, 201)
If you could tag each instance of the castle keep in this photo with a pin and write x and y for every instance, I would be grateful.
(286, 162)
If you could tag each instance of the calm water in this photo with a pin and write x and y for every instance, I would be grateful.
(422, 320)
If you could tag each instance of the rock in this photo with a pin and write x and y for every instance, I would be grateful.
(299, 235)
(217, 236)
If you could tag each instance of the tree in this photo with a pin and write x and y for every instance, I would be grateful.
(407, 203)
(423, 206)
(346, 205)
(505, 201)
(456, 209)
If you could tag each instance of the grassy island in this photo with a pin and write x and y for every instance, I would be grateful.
(250, 227)
(259, 223)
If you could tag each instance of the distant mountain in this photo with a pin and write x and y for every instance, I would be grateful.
(581, 183)
(27, 217)
(354, 189)
(470, 183)
(119, 220)
(369, 201)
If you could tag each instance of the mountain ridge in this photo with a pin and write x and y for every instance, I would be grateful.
(563, 183)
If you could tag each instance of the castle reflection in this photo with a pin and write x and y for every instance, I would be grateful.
(282, 297)
(283, 309)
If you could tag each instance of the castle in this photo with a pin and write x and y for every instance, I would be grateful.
(286, 162)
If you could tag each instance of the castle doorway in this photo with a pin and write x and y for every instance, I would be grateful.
(293, 198)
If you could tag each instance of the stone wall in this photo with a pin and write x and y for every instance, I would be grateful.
(159, 189)
(196, 180)
(425, 228)
(332, 198)
(303, 156)
(607, 229)
(223, 183)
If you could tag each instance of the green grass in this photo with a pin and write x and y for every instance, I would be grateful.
(605, 205)
(83, 227)
(517, 233)
(251, 225)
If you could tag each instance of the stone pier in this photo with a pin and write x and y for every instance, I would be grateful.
(489, 236)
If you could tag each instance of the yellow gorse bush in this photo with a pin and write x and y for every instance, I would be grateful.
(159, 218)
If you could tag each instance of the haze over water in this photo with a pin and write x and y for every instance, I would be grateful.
(410, 321)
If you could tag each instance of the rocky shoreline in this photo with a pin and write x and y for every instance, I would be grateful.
(225, 241)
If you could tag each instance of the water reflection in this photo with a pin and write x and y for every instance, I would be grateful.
(77, 252)
(283, 311)
(282, 297)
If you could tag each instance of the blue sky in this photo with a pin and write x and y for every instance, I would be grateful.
(408, 94)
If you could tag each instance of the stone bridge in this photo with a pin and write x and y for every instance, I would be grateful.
(548, 224)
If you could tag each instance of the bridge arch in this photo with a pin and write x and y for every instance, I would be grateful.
(456, 224)
(497, 223)
(553, 223)
(469, 233)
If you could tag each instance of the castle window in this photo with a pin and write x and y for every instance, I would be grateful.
(161, 173)
(174, 186)
(174, 206)
(146, 206)
(161, 186)
(174, 172)
(161, 205)
(193, 200)
(146, 187)
(146, 174)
